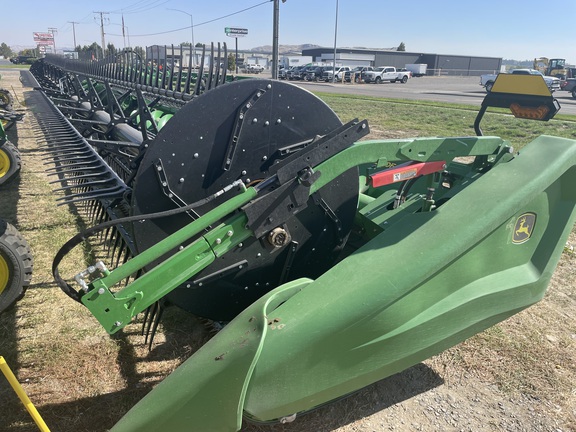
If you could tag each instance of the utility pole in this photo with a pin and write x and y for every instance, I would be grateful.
(275, 38)
(74, 31)
(102, 31)
(53, 30)
(335, 40)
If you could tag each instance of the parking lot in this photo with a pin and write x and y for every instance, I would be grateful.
(453, 89)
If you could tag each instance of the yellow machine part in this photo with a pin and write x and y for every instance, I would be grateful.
(521, 84)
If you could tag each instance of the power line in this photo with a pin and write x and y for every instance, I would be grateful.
(203, 23)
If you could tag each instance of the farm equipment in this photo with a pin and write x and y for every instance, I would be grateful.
(551, 67)
(15, 255)
(332, 261)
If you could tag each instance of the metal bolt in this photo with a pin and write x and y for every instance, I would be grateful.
(199, 284)
(278, 121)
(187, 285)
(159, 168)
(182, 180)
(117, 323)
(243, 172)
(101, 291)
(269, 86)
(266, 123)
(180, 247)
(218, 241)
(240, 244)
(255, 120)
(230, 233)
(258, 254)
(164, 183)
(265, 158)
(196, 155)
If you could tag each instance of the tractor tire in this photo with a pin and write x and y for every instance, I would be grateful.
(6, 100)
(15, 265)
(10, 162)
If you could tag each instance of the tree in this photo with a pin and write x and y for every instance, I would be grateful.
(28, 52)
(5, 50)
(401, 47)
(110, 49)
(89, 52)
(231, 62)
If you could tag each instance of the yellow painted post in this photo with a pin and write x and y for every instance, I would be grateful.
(22, 395)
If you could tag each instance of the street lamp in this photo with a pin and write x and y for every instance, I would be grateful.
(193, 48)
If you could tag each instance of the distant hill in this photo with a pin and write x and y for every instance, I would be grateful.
(285, 49)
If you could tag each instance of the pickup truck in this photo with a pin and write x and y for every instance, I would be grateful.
(386, 73)
(570, 86)
(254, 68)
(340, 71)
(487, 80)
(358, 73)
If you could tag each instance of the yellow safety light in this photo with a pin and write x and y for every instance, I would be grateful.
(528, 112)
(526, 96)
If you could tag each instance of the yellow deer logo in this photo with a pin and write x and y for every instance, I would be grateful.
(523, 228)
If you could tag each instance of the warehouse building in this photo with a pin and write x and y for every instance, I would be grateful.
(438, 64)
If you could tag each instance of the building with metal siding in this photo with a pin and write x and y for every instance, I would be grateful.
(438, 64)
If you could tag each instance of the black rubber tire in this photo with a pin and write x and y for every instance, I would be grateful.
(10, 162)
(404, 79)
(6, 100)
(489, 86)
(574, 93)
(15, 265)
(378, 80)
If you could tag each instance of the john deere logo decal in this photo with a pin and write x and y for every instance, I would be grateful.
(523, 228)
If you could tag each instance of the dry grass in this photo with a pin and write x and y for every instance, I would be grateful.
(81, 379)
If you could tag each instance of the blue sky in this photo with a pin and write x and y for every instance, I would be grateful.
(511, 29)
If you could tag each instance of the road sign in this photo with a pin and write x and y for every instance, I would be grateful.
(236, 32)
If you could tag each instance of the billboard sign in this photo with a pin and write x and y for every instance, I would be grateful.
(236, 32)
(43, 37)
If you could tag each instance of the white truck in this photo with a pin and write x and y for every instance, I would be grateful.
(487, 80)
(386, 73)
(417, 69)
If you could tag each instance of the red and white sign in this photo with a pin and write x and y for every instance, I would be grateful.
(43, 37)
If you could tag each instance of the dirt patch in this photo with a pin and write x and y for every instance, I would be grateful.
(516, 376)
